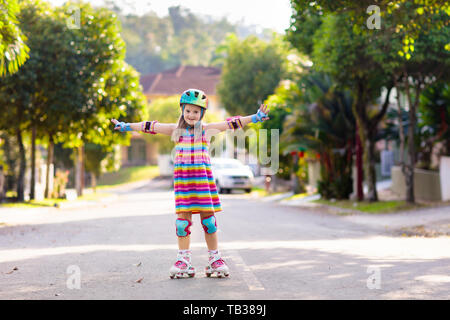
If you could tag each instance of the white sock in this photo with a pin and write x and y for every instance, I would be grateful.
(213, 252)
(186, 252)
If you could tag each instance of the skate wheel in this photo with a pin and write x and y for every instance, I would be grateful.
(219, 275)
(208, 275)
(172, 276)
(191, 275)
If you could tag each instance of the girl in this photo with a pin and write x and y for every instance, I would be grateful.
(194, 186)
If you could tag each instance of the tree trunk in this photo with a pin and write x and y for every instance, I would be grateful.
(79, 172)
(82, 168)
(2, 184)
(294, 178)
(94, 182)
(447, 151)
(406, 170)
(401, 132)
(33, 163)
(49, 162)
(9, 174)
(370, 169)
(22, 167)
(367, 131)
(409, 168)
(412, 157)
(359, 111)
(359, 166)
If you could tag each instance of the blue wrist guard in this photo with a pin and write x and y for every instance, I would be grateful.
(258, 116)
(123, 126)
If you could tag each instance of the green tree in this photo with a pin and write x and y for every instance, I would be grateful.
(251, 72)
(122, 99)
(110, 87)
(433, 122)
(404, 23)
(18, 90)
(286, 98)
(412, 18)
(323, 123)
(13, 49)
(74, 81)
(413, 62)
(155, 43)
(343, 54)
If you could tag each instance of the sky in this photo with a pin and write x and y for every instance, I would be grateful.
(274, 14)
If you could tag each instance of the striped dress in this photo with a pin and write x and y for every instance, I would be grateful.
(194, 186)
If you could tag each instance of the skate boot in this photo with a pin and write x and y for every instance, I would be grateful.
(217, 265)
(182, 266)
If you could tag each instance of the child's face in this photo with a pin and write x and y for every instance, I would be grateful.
(192, 114)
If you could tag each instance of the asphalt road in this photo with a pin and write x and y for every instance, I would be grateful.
(123, 248)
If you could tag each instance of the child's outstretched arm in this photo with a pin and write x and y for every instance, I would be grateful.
(240, 122)
(145, 126)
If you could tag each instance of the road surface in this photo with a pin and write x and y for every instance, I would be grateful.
(123, 247)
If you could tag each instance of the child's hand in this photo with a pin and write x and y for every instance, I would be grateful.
(261, 115)
(121, 126)
(117, 127)
(265, 110)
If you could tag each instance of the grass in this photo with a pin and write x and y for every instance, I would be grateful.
(298, 196)
(260, 191)
(52, 202)
(263, 193)
(371, 207)
(127, 175)
(124, 175)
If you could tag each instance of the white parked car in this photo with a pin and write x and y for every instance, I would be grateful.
(231, 174)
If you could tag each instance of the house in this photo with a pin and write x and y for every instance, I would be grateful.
(164, 84)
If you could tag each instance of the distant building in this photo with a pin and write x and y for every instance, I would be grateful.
(164, 84)
(176, 80)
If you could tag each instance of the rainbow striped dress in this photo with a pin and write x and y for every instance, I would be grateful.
(194, 186)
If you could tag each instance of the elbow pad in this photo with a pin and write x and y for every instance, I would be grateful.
(149, 127)
(234, 122)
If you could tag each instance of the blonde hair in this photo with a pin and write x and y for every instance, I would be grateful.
(182, 125)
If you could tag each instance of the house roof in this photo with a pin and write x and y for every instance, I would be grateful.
(176, 80)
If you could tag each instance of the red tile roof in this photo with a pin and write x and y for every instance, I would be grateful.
(176, 80)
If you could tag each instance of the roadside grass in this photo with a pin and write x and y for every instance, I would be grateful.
(297, 196)
(378, 207)
(54, 202)
(127, 175)
(261, 192)
(122, 176)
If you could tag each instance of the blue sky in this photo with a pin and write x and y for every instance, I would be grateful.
(274, 14)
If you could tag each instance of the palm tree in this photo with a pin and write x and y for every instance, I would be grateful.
(324, 123)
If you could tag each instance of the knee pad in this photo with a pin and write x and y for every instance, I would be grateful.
(183, 226)
(209, 224)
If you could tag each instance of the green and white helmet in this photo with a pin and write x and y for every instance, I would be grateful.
(195, 97)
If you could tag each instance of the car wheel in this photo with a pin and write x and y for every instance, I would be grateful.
(248, 190)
